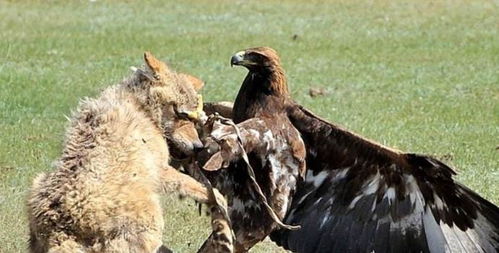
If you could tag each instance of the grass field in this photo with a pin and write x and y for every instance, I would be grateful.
(422, 76)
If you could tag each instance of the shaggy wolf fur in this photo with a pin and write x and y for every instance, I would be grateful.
(104, 193)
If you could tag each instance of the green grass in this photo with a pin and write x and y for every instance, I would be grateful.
(422, 76)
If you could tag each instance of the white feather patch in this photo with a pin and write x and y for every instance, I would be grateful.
(316, 180)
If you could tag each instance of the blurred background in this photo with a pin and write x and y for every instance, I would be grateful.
(421, 76)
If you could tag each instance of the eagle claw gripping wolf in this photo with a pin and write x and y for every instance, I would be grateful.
(222, 237)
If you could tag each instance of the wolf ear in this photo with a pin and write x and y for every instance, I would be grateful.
(155, 65)
(196, 82)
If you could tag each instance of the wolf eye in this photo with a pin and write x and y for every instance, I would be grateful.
(183, 115)
(180, 114)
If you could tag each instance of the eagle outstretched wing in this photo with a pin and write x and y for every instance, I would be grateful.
(359, 196)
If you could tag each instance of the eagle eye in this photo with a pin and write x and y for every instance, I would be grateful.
(256, 57)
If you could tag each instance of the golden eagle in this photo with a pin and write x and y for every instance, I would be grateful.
(356, 195)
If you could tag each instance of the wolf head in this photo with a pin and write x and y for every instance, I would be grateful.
(173, 101)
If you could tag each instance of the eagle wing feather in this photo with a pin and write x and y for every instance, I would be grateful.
(359, 196)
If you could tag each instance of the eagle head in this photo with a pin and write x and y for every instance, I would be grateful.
(265, 84)
(257, 59)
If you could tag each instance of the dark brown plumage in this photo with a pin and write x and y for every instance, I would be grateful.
(264, 90)
(357, 195)
(275, 150)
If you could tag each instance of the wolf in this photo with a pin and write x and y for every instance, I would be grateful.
(104, 194)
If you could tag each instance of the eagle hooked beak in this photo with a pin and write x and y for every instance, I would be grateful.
(238, 59)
